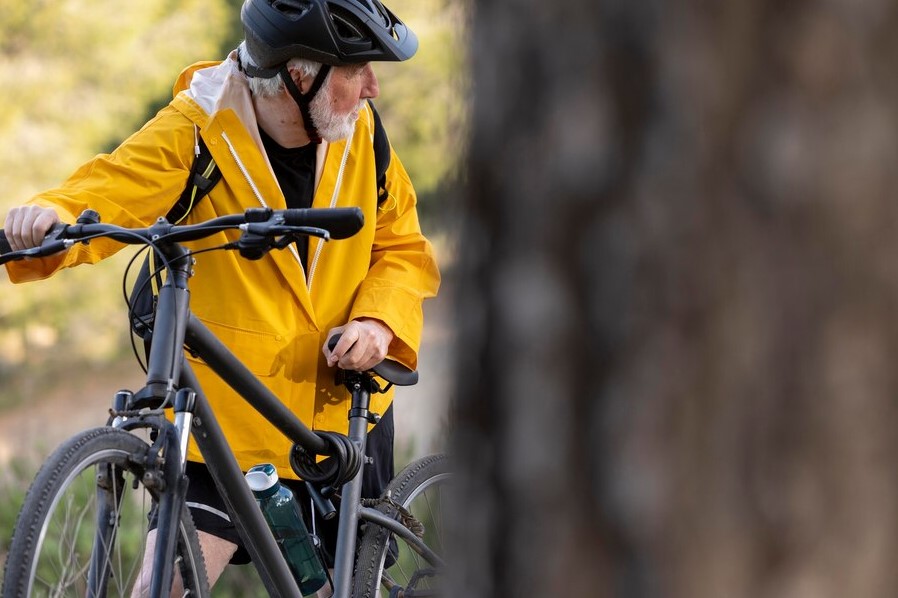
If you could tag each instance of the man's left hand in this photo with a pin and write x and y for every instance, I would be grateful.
(363, 344)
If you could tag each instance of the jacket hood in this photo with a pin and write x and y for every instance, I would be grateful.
(216, 86)
(202, 81)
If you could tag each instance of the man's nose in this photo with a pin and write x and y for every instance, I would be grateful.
(370, 87)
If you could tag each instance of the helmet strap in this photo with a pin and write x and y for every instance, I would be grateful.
(303, 100)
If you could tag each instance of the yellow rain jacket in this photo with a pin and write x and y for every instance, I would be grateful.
(272, 313)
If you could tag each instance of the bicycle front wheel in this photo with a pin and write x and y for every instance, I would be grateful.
(82, 529)
(421, 490)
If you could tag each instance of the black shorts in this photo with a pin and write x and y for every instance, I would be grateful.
(210, 514)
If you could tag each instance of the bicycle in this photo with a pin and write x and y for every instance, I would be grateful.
(73, 534)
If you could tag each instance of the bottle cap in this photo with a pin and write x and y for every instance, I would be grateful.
(262, 477)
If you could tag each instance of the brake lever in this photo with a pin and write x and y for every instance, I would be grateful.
(286, 239)
(255, 228)
(56, 233)
(52, 243)
(313, 231)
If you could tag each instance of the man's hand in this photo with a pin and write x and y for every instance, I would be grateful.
(364, 343)
(26, 226)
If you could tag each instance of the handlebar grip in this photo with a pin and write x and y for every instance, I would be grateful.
(341, 223)
(4, 244)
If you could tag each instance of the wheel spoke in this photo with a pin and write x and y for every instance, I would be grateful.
(418, 489)
(79, 510)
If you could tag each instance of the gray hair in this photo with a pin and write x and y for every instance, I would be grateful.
(274, 85)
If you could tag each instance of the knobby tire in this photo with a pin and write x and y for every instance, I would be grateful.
(420, 487)
(53, 546)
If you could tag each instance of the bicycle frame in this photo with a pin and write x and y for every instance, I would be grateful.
(168, 373)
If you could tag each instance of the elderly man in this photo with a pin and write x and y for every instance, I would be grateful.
(288, 121)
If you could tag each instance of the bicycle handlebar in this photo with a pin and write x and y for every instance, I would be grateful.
(256, 223)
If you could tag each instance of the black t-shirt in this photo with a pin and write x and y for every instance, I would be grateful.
(294, 168)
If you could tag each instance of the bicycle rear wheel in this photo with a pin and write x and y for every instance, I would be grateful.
(422, 490)
(82, 529)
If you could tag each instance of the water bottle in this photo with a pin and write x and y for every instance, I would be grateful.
(283, 515)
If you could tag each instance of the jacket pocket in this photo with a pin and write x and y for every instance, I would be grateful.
(262, 352)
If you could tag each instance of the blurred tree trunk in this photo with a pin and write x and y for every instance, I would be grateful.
(678, 307)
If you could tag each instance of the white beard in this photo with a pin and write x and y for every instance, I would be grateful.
(330, 125)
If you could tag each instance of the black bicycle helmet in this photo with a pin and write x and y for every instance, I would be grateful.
(333, 32)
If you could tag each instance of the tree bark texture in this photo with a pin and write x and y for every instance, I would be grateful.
(677, 314)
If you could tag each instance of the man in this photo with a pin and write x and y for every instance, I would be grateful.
(287, 120)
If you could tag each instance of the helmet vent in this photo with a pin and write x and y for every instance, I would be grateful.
(384, 16)
(344, 27)
(292, 9)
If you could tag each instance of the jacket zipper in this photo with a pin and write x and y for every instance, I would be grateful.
(314, 264)
(333, 203)
(258, 195)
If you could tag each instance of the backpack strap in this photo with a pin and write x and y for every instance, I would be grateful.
(204, 174)
(381, 155)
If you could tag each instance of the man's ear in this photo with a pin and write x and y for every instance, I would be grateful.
(303, 83)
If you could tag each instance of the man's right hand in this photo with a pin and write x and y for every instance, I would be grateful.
(26, 226)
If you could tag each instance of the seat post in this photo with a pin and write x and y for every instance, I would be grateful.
(361, 386)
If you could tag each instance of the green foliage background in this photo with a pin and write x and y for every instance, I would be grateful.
(78, 76)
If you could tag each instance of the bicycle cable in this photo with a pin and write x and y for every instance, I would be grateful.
(129, 295)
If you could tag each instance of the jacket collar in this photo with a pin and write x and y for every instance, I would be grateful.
(222, 86)
(216, 97)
